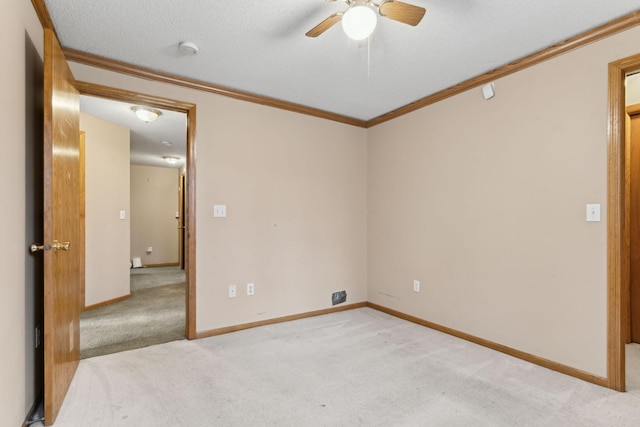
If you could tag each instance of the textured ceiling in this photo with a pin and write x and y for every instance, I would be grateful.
(260, 47)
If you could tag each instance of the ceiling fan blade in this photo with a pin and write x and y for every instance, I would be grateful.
(324, 25)
(402, 12)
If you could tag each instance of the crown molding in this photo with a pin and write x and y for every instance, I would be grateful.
(624, 23)
(135, 71)
(43, 13)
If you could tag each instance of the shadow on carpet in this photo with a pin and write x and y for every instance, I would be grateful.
(150, 316)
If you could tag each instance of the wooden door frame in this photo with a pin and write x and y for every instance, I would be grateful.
(618, 224)
(182, 178)
(82, 222)
(627, 324)
(91, 89)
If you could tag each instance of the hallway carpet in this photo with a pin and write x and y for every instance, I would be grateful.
(152, 315)
(354, 368)
(150, 277)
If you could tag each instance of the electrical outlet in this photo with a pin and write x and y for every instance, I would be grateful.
(250, 289)
(593, 213)
(232, 291)
(416, 286)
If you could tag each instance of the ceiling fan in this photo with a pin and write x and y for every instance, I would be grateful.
(359, 20)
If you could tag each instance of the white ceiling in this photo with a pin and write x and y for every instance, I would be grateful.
(167, 136)
(260, 46)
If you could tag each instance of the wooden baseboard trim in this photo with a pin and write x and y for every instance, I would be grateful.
(163, 264)
(549, 364)
(103, 303)
(229, 329)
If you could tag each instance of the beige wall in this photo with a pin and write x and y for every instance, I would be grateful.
(633, 89)
(18, 22)
(106, 194)
(154, 203)
(481, 201)
(295, 189)
(484, 202)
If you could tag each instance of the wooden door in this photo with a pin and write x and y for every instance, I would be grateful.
(633, 137)
(62, 266)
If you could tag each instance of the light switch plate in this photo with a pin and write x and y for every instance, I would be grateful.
(123, 215)
(593, 213)
(232, 291)
(219, 211)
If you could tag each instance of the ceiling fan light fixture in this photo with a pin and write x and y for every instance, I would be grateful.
(359, 22)
(146, 114)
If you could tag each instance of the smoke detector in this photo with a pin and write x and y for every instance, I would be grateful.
(189, 48)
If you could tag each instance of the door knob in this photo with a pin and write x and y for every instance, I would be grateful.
(55, 246)
(38, 247)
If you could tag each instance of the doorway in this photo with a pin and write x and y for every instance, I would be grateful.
(618, 224)
(184, 217)
(132, 214)
(64, 225)
(632, 211)
(632, 138)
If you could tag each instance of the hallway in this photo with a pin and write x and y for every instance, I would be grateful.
(154, 314)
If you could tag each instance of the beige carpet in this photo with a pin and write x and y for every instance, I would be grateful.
(355, 368)
(154, 314)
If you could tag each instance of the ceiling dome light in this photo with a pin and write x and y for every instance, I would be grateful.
(359, 22)
(146, 114)
(172, 160)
